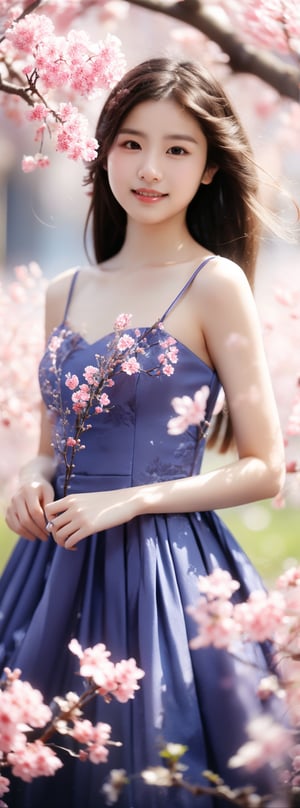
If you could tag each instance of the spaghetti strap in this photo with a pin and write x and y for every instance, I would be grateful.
(70, 293)
(186, 286)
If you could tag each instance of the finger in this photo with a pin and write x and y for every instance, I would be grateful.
(57, 507)
(19, 519)
(14, 523)
(65, 539)
(61, 532)
(31, 517)
(72, 541)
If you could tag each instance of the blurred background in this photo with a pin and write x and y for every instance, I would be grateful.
(42, 217)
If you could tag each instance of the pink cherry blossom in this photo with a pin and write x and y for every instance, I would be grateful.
(26, 34)
(104, 400)
(29, 703)
(126, 675)
(81, 397)
(289, 578)
(10, 736)
(39, 112)
(22, 708)
(97, 751)
(71, 442)
(70, 64)
(167, 369)
(120, 679)
(130, 366)
(268, 741)
(125, 342)
(216, 625)
(289, 584)
(172, 354)
(122, 321)
(72, 134)
(219, 584)
(167, 341)
(30, 162)
(96, 665)
(91, 374)
(275, 24)
(72, 381)
(34, 760)
(260, 616)
(83, 730)
(189, 411)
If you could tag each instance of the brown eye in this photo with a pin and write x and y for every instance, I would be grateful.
(131, 144)
(177, 150)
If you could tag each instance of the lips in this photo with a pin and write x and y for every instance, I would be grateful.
(147, 193)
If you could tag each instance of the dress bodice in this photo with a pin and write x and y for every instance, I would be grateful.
(127, 443)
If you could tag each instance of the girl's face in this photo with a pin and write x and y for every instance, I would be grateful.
(157, 161)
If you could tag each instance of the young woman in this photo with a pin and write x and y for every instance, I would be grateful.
(175, 219)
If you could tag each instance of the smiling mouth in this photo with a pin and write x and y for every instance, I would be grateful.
(149, 194)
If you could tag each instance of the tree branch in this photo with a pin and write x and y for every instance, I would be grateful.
(243, 58)
(31, 7)
(13, 89)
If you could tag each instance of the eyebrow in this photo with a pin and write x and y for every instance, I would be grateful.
(174, 136)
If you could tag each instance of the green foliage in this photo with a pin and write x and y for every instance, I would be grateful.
(270, 537)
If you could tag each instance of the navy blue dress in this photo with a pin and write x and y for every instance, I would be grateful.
(129, 587)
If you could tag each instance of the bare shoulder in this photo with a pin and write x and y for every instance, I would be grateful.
(60, 282)
(228, 315)
(222, 276)
(223, 290)
(56, 297)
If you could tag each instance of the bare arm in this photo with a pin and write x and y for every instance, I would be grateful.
(25, 514)
(233, 337)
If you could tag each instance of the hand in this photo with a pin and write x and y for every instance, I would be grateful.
(76, 516)
(26, 513)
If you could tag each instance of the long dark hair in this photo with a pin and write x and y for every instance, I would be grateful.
(224, 216)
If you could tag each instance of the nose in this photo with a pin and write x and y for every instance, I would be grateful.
(149, 170)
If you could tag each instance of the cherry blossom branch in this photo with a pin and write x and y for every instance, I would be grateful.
(89, 397)
(245, 797)
(28, 10)
(13, 89)
(29, 93)
(31, 7)
(243, 57)
(22, 710)
(170, 775)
